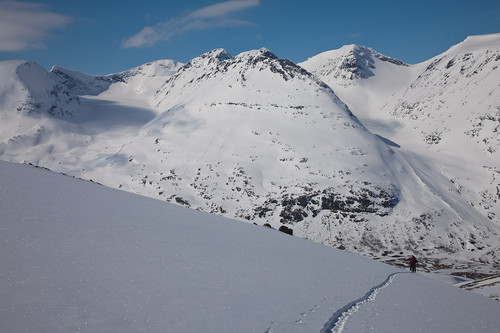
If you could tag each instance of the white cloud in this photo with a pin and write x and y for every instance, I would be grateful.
(216, 15)
(224, 8)
(25, 25)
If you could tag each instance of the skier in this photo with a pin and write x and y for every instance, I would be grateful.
(413, 264)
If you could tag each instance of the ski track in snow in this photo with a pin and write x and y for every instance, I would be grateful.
(338, 320)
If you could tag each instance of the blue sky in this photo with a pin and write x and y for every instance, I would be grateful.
(108, 36)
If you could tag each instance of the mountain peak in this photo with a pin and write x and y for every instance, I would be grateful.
(364, 52)
(347, 64)
(218, 63)
(34, 90)
(213, 57)
(262, 53)
(219, 54)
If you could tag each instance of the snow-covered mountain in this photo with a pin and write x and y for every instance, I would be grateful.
(361, 77)
(452, 110)
(446, 111)
(77, 256)
(343, 67)
(260, 139)
(27, 88)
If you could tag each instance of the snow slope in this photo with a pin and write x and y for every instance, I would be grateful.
(443, 114)
(446, 110)
(260, 139)
(77, 256)
(452, 111)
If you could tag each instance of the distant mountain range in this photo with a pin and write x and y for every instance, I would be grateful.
(350, 148)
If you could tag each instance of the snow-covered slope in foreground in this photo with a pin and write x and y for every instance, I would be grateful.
(77, 256)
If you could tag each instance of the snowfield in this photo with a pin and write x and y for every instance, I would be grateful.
(80, 257)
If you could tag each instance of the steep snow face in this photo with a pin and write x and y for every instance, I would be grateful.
(451, 111)
(443, 113)
(461, 83)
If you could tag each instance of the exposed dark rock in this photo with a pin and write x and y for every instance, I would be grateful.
(181, 201)
(286, 230)
(363, 200)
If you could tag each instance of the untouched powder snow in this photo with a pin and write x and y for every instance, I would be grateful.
(80, 257)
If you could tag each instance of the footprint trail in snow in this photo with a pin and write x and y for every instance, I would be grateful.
(338, 320)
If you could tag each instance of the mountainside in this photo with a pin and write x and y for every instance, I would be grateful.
(27, 88)
(261, 139)
(81, 257)
(446, 110)
(452, 110)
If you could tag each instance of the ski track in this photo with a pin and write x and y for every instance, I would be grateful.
(338, 320)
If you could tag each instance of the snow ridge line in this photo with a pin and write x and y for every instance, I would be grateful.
(338, 320)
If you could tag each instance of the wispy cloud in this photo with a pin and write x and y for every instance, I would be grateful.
(356, 35)
(26, 25)
(217, 15)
